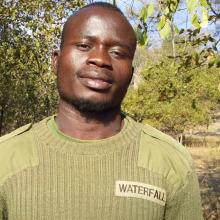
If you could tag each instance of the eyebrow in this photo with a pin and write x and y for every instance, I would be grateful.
(114, 42)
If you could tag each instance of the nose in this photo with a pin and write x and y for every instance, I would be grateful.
(100, 57)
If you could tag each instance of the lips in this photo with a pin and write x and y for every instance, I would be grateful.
(96, 80)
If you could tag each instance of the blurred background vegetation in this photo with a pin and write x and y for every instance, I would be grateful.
(176, 84)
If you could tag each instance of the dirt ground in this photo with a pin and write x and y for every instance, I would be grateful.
(207, 163)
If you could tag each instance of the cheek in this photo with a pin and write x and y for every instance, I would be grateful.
(71, 61)
(124, 73)
(77, 60)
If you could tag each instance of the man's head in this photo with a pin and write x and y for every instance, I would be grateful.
(94, 66)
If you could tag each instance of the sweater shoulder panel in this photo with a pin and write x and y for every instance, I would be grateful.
(16, 132)
(161, 154)
(18, 152)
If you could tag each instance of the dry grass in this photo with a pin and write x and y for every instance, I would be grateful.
(207, 162)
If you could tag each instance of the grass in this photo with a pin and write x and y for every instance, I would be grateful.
(207, 163)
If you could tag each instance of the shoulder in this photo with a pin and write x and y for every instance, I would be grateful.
(15, 133)
(162, 154)
(17, 152)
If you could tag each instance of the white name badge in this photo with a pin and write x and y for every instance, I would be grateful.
(140, 190)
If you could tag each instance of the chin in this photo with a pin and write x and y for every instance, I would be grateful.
(90, 105)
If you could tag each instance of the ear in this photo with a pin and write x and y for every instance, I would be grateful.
(55, 60)
(132, 73)
(132, 70)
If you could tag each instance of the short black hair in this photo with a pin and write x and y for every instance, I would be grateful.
(94, 4)
(104, 5)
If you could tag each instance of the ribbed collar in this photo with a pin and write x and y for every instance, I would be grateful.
(54, 138)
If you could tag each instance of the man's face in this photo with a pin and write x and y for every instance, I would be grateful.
(94, 67)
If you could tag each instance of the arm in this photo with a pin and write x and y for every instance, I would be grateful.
(2, 207)
(186, 203)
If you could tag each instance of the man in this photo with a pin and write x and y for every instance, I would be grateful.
(90, 161)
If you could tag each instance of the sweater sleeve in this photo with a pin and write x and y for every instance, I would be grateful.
(2, 207)
(186, 204)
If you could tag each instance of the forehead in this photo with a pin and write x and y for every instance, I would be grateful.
(100, 22)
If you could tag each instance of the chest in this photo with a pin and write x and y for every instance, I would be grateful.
(92, 188)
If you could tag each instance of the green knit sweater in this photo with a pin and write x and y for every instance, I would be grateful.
(138, 174)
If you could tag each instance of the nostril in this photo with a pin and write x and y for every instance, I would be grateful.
(92, 62)
(100, 62)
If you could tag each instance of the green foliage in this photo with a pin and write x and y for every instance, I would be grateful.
(164, 28)
(147, 11)
(142, 38)
(197, 9)
(29, 31)
(174, 96)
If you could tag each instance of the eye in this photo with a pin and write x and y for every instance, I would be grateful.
(83, 46)
(118, 54)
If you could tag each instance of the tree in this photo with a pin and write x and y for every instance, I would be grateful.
(29, 31)
(200, 13)
(182, 73)
(174, 96)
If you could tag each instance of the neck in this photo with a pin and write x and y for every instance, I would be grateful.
(87, 125)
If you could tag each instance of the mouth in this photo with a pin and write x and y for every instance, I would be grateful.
(96, 81)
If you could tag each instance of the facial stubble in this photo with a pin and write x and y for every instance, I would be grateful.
(86, 105)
